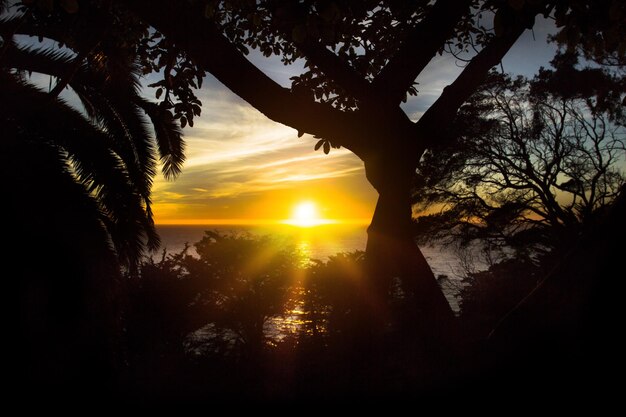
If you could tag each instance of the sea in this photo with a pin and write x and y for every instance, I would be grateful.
(320, 242)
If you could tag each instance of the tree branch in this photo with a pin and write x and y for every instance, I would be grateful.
(454, 95)
(330, 64)
(187, 27)
(418, 49)
(339, 71)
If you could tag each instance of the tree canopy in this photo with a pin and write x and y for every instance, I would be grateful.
(534, 162)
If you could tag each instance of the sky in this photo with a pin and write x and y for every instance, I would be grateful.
(242, 167)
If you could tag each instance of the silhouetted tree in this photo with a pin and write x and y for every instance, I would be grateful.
(162, 308)
(328, 296)
(233, 290)
(249, 282)
(534, 168)
(362, 59)
(65, 278)
(80, 180)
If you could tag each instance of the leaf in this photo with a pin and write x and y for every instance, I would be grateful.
(326, 147)
(330, 13)
(319, 144)
(183, 122)
(159, 92)
(328, 35)
(70, 6)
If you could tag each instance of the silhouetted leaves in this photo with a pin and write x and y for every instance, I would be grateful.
(243, 290)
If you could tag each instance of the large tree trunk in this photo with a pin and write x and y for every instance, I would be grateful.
(393, 254)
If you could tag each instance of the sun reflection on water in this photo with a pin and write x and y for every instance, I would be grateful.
(303, 251)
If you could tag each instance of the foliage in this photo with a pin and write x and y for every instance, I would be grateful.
(328, 295)
(93, 51)
(240, 295)
(104, 27)
(362, 34)
(64, 277)
(160, 311)
(487, 296)
(534, 162)
(236, 285)
(251, 282)
(594, 29)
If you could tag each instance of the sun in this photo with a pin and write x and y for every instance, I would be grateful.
(305, 214)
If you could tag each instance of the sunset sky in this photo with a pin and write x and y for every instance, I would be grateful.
(243, 167)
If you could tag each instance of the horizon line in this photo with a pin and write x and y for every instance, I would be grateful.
(256, 222)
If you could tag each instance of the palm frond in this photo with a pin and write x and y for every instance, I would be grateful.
(108, 100)
(101, 171)
(15, 24)
(46, 200)
(169, 138)
(55, 62)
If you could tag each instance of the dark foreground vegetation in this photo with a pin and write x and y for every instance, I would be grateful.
(246, 320)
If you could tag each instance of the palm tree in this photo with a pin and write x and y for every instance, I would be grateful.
(105, 77)
(76, 188)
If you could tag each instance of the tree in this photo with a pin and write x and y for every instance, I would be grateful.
(108, 146)
(78, 189)
(539, 166)
(235, 285)
(249, 281)
(328, 301)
